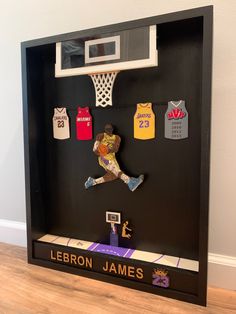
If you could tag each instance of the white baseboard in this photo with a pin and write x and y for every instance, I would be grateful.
(13, 232)
(221, 268)
(224, 260)
(222, 271)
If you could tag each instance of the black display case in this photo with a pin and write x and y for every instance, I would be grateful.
(169, 212)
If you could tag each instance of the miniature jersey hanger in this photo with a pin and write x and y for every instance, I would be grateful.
(105, 147)
(176, 120)
(60, 121)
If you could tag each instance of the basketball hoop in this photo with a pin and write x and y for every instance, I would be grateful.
(101, 57)
(103, 84)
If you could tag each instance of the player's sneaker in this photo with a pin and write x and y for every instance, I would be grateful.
(135, 182)
(90, 182)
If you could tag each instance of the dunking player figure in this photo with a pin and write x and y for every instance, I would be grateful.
(105, 146)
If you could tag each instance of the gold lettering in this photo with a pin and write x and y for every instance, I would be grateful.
(122, 269)
(73, 259)
(139, 273)
(131, 271)
(59, 256)
(66, 257)
(105, 268)
(52, 255)
(81, 260)
(89, 262)
(112, 268)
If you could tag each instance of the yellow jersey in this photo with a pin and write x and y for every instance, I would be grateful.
(144, 122)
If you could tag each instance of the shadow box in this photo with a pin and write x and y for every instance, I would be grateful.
(149, 82)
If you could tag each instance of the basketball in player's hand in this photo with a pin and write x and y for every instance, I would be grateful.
(103, 150)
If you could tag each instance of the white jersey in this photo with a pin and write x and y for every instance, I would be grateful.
(60, 120)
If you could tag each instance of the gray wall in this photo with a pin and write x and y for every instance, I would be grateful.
(25, 19)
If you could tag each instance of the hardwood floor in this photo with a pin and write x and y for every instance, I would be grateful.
(27, 289)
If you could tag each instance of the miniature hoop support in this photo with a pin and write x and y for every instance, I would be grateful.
(103, 84)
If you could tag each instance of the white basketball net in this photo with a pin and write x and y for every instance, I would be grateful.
(103, 84)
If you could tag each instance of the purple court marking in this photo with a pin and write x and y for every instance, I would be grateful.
(108, 252)
(92, 246)
(158, 258)
(112, 250)
(178, 262)
(126, 253)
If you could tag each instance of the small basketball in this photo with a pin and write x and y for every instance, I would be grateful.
(103, 150)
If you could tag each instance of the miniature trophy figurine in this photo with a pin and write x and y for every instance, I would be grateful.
(126, 234)
(106, 146)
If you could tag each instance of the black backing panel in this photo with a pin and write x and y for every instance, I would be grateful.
(165, 209)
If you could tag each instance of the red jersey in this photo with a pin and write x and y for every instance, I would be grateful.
(84, 124)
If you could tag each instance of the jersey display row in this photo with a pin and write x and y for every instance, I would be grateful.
(61, 129)
(176, 122)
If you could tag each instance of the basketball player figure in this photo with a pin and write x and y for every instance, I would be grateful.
(125, 230)
(106, 146)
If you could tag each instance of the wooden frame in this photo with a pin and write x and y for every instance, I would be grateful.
(32, 55)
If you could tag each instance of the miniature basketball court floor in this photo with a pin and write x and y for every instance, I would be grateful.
(155, 258)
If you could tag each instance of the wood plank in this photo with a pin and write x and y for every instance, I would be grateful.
(27, 289)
